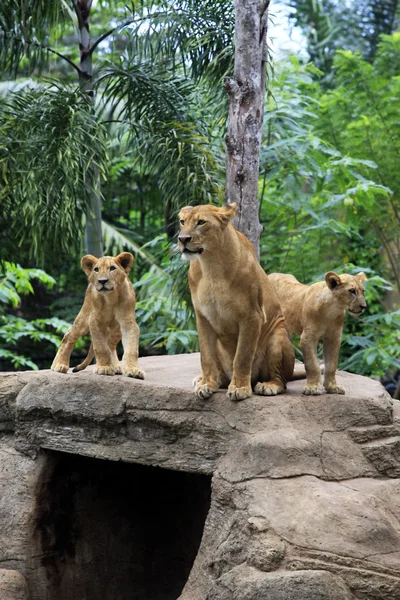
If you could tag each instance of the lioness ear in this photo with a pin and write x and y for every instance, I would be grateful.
(227, 212)
(125, 259)
(362, 277)
(87, 263)
(332, 280)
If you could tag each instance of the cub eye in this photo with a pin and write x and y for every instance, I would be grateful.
(201, 222)
(182, 222)
(112, 268)
(352, 291)
(96, 269)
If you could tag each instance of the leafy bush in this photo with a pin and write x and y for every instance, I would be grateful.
(14, 282)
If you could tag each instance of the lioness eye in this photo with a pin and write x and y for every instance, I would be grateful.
(352, 291)
(200, 222)
(96, 269)
(112, 268)
(182, 222)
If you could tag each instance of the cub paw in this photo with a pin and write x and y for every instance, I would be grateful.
(267, 389)
(117, 369)
(313, 389)
(59, 368)
(134, 372)
(203, 389)
(335, 389)
(106, 370)
(239, 393)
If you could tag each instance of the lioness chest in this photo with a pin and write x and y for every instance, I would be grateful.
(216, 305)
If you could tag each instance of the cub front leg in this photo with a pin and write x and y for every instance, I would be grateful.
(331, 356)
(79, 328)
(130, 341)
(208, 382)
(309, 349)
(249, 332)
(102, 352)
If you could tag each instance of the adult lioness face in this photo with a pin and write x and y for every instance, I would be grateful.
(200, 226)
(107, 273)
(349, 291)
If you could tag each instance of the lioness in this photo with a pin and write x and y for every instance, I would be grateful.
(243, 337)
(317, 312)
(108, 312)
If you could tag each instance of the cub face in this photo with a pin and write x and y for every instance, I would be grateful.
(200, 226)
(107, 273)
(348, 290)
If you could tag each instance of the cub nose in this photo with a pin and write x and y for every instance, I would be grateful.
(184, 239)
(102, 280)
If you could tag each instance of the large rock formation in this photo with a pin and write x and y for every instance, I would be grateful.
(305, 500)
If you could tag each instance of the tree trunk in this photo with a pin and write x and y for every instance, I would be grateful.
(94, 238)
(246, 112)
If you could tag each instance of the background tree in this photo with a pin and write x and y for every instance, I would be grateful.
(246, 91)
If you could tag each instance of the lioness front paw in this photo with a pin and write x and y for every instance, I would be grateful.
(313, 389)
(204, 389)
(106, 370)
(267, 388)
(334, 389)
(134, 372)
(239, 393)
(60, 368)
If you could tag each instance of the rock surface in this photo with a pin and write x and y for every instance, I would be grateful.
(305, 492)
(12, 585)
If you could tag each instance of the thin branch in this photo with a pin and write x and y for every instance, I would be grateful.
(47, 48)
(105, 35)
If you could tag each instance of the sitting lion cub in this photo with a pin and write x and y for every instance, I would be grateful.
(108, 312)
(243, 338)
(317, 312)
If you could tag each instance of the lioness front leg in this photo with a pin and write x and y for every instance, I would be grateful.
(331, 355)
(208, 382)
(240, 386)
(309, 350)
(113, 338)
(130, 341)
(98, 332)
(79, 328)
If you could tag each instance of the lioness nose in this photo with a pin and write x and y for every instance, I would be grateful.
(184, 239)
(102, 280)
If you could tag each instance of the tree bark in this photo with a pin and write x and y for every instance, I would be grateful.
(246, 91)
(94, 238)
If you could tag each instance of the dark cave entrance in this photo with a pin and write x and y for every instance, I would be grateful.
(117, 531)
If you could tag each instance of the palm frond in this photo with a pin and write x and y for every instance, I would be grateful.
(116, 239)
(25, 31)
(52, 154)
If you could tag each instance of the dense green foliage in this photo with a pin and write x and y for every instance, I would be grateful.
(153, 141)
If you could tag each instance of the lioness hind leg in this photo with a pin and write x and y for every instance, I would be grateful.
(279, 364)
(313, 386)
(61, 360)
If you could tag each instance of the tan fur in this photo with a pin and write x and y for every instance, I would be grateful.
(108, 312)
(317, 312)
(243, 338)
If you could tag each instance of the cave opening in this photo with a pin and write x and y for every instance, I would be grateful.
(117, 531)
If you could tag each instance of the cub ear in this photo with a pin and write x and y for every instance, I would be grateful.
(125, 259)
(227, 212)
(87, 263)
(332, 280)
(361, 277)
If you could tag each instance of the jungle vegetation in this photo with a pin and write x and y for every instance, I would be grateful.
(144, 134)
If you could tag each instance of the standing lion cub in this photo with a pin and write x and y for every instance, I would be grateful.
(108, 313)
(317, 312)
(243, 337)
